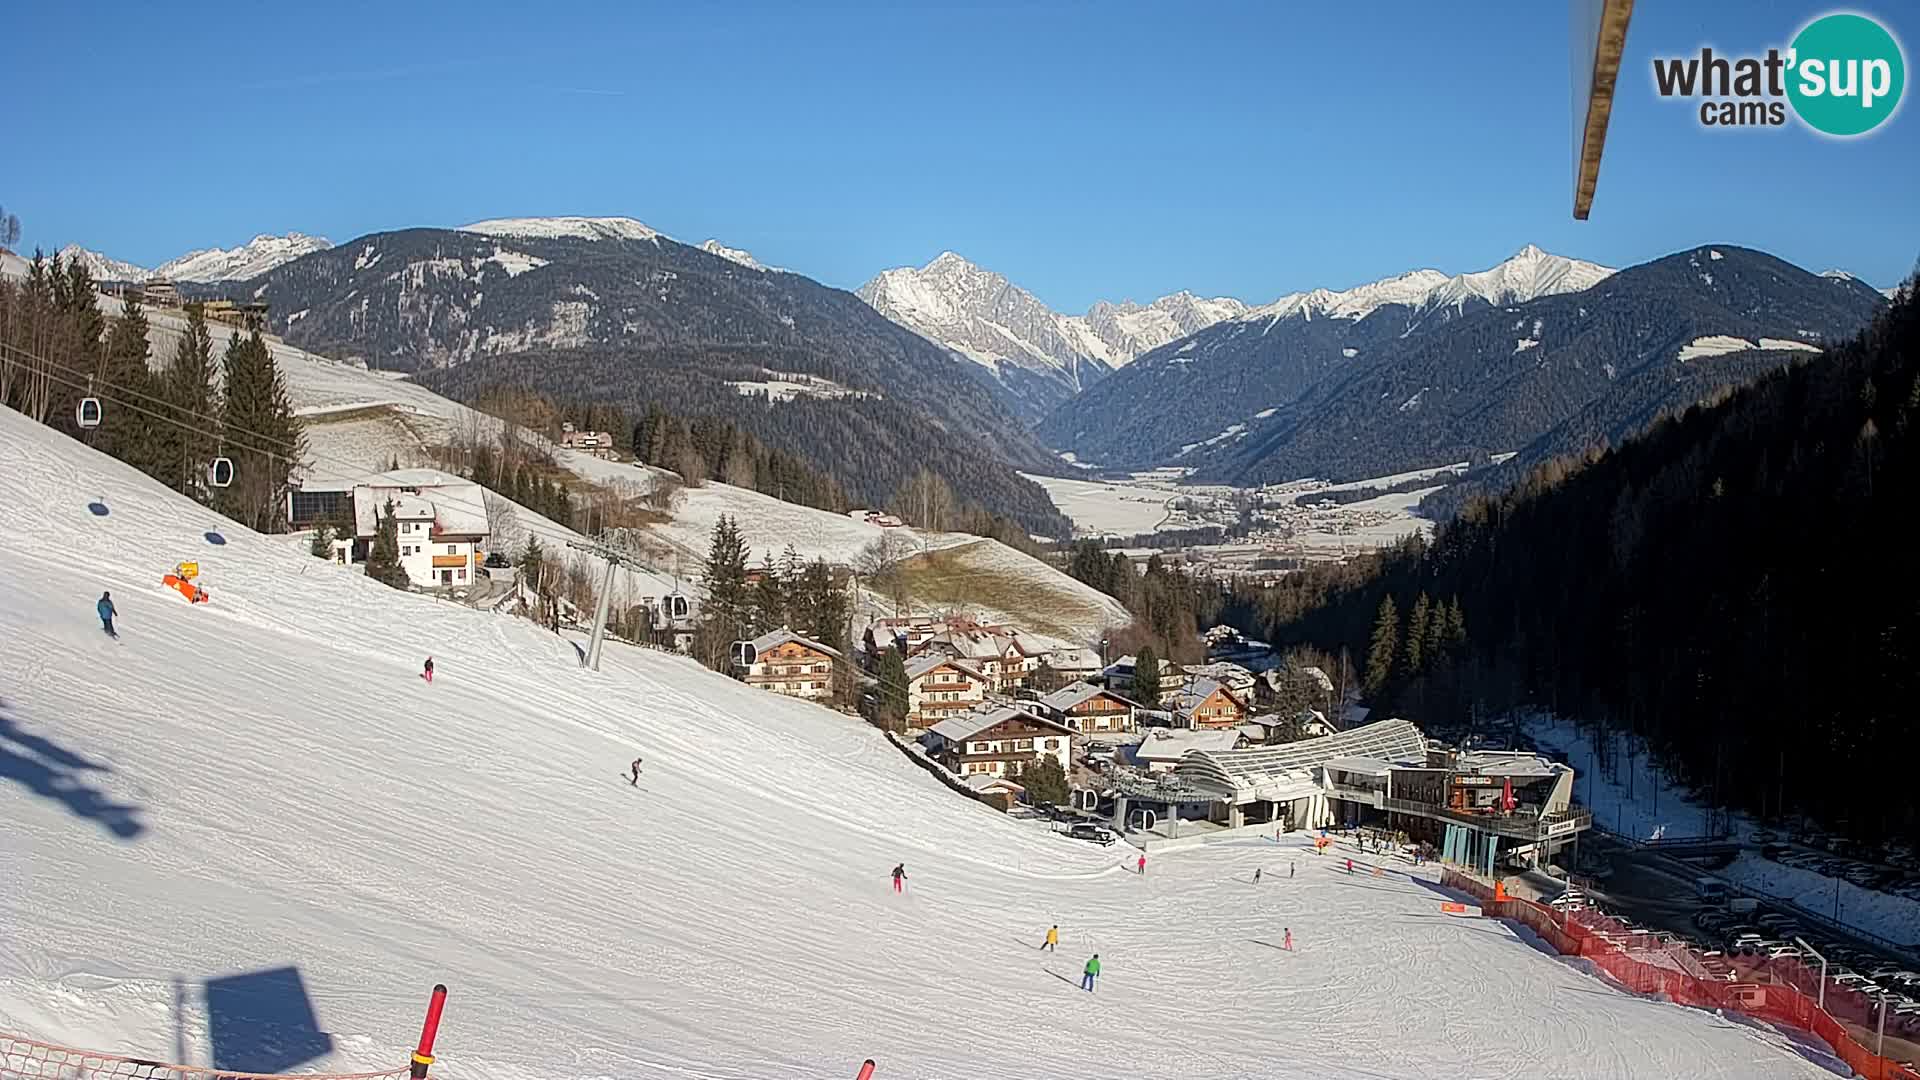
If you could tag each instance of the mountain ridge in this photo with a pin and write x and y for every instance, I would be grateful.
(1035, 356)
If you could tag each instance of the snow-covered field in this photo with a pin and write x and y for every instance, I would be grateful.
(1646, 807)
(1099, 507)
(263, 782)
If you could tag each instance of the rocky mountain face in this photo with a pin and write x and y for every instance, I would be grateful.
(608, 309)
(1191, 396)
(1036, 357)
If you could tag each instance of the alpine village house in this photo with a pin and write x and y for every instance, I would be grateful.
(786, 663)
(998, 743)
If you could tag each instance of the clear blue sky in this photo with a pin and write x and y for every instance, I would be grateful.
(1085, 150)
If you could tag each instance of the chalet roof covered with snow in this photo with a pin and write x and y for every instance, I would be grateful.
(1172, 744)
(932, 661)
(1079, 693)
(454, 511)
(967, 725)
(773, 639)
(1197, 692)
(1073, 660)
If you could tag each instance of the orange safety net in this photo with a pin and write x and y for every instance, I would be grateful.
(32, 1060)
(1783, 992)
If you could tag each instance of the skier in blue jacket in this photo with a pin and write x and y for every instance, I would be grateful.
(106, 612)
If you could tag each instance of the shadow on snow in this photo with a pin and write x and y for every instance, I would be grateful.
(56, 773)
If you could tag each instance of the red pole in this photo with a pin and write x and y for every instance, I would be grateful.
(423, 1057)
(866, 1070)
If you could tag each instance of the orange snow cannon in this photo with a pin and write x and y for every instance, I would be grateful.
(185, 587)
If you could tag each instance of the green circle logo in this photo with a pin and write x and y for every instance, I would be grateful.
(1847, 74)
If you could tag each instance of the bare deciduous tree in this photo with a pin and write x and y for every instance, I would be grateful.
(882, 564)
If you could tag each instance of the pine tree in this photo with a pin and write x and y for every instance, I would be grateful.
(322, 544)
(1418, 656)
(1045, 780)
(826, 605)
(1146, 677)
(187, 387)
(383, 556)
(772, 604)
(1454, 632)
(1381, 649)
(729, 610)
(893, 689)
(261, 436)
(127, 432)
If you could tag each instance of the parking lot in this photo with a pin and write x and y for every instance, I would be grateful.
(1653, 894)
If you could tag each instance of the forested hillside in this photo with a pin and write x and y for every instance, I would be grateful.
(1735, 586)
(624, 316)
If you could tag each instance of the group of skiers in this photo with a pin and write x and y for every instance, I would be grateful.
(1087, 974)
(1051, 942)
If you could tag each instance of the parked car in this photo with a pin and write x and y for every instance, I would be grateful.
(1088, 831)
(1780, 950)
(496, 561)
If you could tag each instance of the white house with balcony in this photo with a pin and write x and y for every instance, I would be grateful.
(441, 524)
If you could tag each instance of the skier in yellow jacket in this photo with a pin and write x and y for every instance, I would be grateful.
(1052, 944)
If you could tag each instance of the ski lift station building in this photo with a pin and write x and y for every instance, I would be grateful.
(1385, 773)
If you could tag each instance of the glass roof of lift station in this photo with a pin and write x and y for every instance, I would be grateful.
(1267, 771)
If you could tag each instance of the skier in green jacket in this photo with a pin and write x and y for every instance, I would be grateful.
(1093, 969)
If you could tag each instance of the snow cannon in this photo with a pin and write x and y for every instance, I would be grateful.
(182, 581)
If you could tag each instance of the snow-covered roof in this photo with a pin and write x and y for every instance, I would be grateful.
(420, 478)
(1078, 693)
(458, 505)
(1073, 660)
(967, 725)
(988, 782)
(773, 639)
(926, 662)
(1171, 744)
(1518, 764)
(1197, 692)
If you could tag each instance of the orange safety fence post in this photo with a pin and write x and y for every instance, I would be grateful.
(866, 1070)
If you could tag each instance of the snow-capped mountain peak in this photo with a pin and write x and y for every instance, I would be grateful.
(103, 267)
(251, 259)
(1529, 274)
(580, 228)
(980, 315)
(737, 255)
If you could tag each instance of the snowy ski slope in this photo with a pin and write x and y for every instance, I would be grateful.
(264, 781)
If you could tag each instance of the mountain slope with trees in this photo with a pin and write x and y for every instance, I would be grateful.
(1664, 334)
(627, 317)
(1731, 586)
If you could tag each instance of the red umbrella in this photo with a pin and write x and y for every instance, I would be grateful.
(1506, 795)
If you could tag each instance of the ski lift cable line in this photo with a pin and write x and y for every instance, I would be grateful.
(549, 533)
(600, 547)
(311, 457)
(214, 427)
